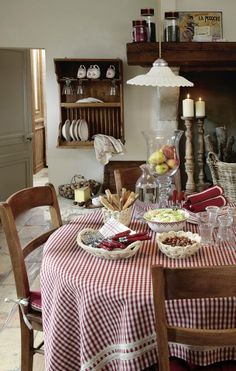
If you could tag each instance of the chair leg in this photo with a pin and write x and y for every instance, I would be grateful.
(27, 341)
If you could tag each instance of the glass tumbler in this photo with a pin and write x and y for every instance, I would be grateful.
(231, 211)
(224, 233)
(212, 212)
(205, 228)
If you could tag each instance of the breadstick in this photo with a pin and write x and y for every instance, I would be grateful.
(109, 195)
(129, 201)
(115, 201)
(106, 203)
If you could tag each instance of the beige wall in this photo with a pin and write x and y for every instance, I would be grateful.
(88, 29)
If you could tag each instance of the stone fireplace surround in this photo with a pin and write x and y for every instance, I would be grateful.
(212, 69)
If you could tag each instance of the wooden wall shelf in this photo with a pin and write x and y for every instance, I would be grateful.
(106, 117)
(192, 56)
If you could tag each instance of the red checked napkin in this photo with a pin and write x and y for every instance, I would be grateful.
(210, 197)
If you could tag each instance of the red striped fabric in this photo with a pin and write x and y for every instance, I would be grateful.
(98, 314)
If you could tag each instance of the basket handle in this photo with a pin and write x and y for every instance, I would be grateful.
(212, 157)
(77, 179)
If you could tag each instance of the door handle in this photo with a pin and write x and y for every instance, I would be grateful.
(29, 137)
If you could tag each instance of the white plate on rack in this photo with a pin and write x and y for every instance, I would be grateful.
(83, 130)
(72, 126)
(65, 130)
(76, 130)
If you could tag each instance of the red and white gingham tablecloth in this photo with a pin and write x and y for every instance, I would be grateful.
(98, 314)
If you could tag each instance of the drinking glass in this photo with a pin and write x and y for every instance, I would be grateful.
(212, 212)
(205, 228)
(80, 89)
(113, 88)
(224, 233)
(231, 211)
(68, 88)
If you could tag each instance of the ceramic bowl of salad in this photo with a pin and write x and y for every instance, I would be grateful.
(165, 220)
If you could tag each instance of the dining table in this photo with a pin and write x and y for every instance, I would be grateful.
(98, 313)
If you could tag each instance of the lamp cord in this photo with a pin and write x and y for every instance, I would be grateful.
(159, 25)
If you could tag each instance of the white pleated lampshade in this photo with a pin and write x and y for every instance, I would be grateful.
(160, 75)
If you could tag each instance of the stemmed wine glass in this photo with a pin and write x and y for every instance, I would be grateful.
(68, 89)
(113, 88)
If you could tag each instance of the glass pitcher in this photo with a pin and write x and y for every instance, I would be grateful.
(163, 159)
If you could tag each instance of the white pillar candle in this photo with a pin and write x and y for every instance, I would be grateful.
(188, 107)
(200, 108)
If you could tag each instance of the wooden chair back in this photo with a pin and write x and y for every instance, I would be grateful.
(15, 205)
(190, 283)
(126, 178)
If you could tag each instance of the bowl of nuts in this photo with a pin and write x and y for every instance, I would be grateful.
(179, 244)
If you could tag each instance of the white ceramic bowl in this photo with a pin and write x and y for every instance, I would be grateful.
(165, 226)
(96, 201)
(179, 252)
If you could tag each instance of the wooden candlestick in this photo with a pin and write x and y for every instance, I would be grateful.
(201, 154)
(189, 162)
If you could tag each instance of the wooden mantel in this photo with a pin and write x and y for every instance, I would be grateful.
(192, 56)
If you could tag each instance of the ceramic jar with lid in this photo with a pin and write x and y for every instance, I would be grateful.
(147, 15)
(139, 31)
(171, 27)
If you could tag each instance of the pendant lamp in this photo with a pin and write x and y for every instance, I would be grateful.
(160, 75)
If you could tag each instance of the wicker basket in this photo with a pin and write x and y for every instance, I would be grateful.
(129, 251)
(224, 175)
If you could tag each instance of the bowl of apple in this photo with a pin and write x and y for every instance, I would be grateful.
(167, 219)
(164, 161)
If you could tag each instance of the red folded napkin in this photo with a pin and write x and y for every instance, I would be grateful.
(201, 206)
(209, 193)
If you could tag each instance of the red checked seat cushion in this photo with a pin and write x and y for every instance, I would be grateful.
(35, 300)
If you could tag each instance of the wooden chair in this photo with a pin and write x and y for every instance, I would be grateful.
(126, 178)
(15, 205)
(190, 283)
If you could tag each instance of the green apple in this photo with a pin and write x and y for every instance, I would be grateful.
(172, 163)
(156, 158)
(162, 168)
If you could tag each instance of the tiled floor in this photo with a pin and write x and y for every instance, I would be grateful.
(29, 225)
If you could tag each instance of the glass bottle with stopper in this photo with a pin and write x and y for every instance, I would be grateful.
(147, 186)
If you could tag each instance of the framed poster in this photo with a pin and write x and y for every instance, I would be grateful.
(200, 26)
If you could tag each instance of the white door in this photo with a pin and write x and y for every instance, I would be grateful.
(15, 121)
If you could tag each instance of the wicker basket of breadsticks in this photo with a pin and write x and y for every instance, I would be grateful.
(118, 207)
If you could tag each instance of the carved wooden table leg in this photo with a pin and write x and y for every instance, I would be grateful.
(189, 161)
(201, 154)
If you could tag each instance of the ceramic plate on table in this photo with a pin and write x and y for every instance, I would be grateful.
(76, 130)
(72, 126)
(83, 130)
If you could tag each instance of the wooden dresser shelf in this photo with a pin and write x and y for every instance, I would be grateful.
(189, 56)
(90, 105)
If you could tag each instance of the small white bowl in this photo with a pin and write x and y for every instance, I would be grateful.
(164, 226)
(96, 201)
(179, 252)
